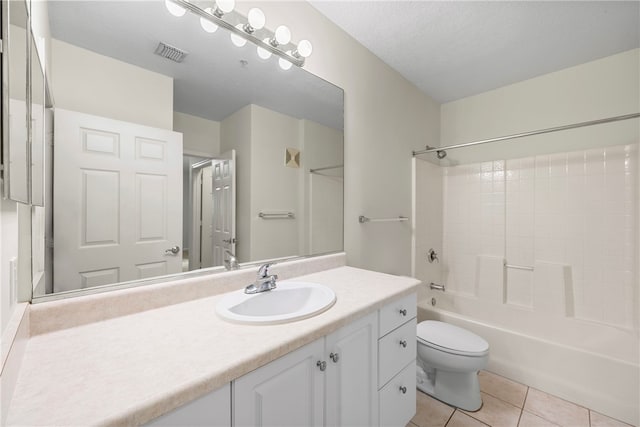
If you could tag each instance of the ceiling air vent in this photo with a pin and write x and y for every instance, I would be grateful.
(170, 52)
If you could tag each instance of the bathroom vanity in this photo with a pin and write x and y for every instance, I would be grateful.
(182, 364)
(367, 379)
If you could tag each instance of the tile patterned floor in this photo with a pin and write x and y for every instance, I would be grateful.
(507, 403)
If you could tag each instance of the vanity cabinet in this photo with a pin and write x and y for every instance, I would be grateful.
(352, 362)
(212, 409)
(330, 382)
(397, 361)
(360, 375)
(286, 392)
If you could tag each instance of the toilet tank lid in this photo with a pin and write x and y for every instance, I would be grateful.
(451, 337)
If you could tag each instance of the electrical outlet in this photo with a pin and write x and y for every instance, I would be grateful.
(13, 279)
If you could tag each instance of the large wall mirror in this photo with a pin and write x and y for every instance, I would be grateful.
(175, 150)
(15, 138)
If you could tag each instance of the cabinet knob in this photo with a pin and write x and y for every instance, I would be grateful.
(403, 311)
(403, 343)
(403, 389)
(334, 357)
(322, 365)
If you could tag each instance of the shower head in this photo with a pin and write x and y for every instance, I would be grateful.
(441, 154)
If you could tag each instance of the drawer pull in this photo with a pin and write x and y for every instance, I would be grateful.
(403, 389)
(322, 365)
(334, 357)
(403, 311)
(403, 343)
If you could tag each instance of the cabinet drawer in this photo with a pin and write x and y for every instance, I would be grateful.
(398, 398)
(395, 350)
(396, 313)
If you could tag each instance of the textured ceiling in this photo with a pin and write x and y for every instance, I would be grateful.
(454, 49)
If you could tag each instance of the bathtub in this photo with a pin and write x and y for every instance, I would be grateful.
(591, 364)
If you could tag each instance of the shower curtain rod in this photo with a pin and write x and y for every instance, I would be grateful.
(521, 135)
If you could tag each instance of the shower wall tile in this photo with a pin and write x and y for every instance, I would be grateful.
(578, 208)
(474, 216)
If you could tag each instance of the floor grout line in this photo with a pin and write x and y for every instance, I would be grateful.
(450, 416)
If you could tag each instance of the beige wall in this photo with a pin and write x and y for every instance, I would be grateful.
(95, 84)
(274, 186)
(603, 88)
(386, 117)
(199, 136)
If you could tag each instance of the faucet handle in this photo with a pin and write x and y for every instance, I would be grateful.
(263, 271)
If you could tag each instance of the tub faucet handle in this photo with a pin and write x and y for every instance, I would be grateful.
(432, 256)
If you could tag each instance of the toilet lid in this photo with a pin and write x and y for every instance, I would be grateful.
(450, 337)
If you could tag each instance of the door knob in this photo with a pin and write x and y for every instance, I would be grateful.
(403, 343)
(322, 365)
(174, 250)
(334, 357)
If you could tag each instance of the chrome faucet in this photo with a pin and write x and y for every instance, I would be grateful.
(264, 282)
(230, 263)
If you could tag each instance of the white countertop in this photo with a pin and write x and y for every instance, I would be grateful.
(128, 370)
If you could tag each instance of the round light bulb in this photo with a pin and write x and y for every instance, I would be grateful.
(283, 34)
(256, 18)
(262, 52)
(304, 48)
(174, 9)
(225, 6)
(207, 25)
(284, 64)
(238, 40)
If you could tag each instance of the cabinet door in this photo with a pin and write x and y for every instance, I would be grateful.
(286, 392)
(351, 387)
(212, 409)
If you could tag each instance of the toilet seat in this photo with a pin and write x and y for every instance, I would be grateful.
(451, 339)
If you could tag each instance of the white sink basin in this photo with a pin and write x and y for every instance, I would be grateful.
(289, 301)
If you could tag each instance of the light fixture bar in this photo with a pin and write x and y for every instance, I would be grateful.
(250, 37)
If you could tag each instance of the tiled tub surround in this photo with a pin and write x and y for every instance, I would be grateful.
(129, 369)
(570, 326)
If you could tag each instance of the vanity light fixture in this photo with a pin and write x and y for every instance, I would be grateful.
(236, 39)
(223, 6)
(174, 9)
(253, 29)
(284, 64)
(264, 53)
(282, 36)
(206, 24)
(256, 20)
(303, 50)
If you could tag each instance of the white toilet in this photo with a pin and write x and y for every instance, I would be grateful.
(449, 359)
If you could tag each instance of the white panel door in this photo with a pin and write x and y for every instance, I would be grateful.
(117, 201)
(224, 206)
(286, 392)
(352, 388)
(206, 218)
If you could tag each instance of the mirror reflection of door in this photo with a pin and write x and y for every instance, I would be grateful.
(213, 211)
(117, 201)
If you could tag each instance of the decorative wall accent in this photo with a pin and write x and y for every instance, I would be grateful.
(292, 158)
